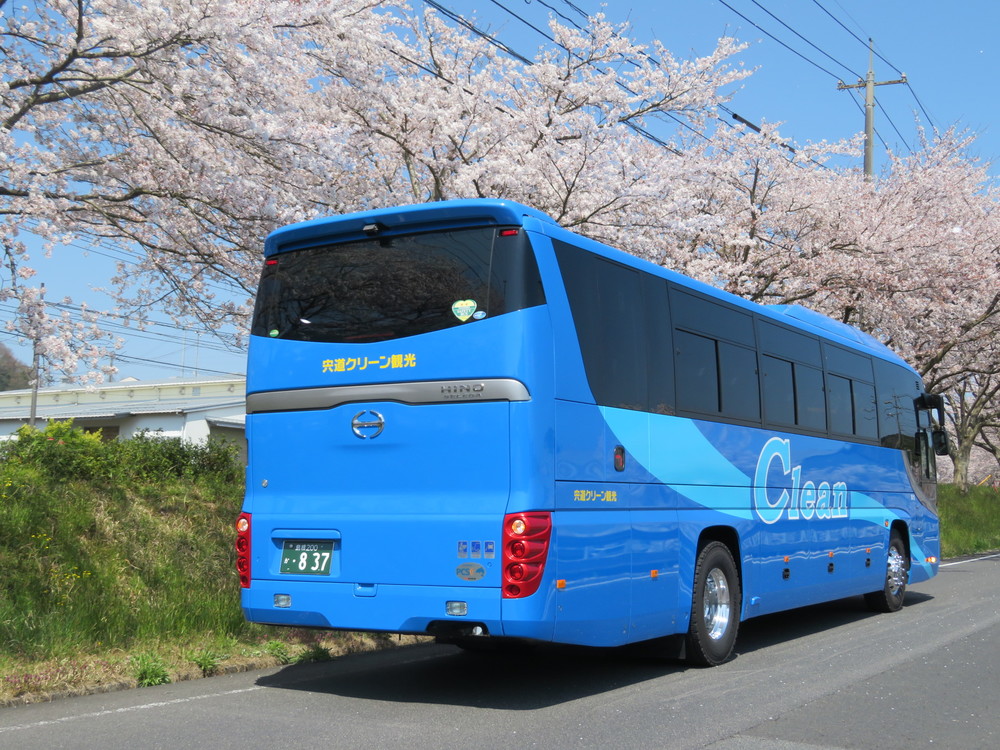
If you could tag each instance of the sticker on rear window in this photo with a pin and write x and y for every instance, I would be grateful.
(464, 309)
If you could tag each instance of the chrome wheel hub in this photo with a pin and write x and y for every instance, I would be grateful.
(717, 604)
(896, 572)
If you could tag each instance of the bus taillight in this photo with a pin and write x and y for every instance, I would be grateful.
(525, 548)
(243, 549)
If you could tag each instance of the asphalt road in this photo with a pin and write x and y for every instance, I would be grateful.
(833, 676)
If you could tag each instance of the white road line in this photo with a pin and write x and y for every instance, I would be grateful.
(126, 709)
(971, 559)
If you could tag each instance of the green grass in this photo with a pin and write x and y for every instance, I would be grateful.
(970, 523)
(118, 567)
(93, 560)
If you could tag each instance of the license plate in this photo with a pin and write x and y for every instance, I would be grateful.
(307, 558)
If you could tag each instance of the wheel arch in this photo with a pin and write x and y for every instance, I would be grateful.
(729, 537)
(900, 527)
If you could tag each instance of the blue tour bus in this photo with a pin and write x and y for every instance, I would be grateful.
(468, 422)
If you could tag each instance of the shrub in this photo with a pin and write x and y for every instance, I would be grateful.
(92, 554)
(208, 661)
(63, 452)
(149, 669)
(60, 451)
(279, 651)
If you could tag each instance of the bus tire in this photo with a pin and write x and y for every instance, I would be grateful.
(715, 607)
(890, 598)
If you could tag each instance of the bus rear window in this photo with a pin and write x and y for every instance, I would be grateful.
(390, 287)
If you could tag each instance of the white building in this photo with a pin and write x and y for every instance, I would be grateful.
(190, 409)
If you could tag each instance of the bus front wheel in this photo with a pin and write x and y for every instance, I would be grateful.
(715, 606)
(890, 598)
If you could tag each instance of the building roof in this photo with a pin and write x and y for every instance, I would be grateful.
(126, 398)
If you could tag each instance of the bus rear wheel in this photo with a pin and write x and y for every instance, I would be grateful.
(715, 607)
(890, 598)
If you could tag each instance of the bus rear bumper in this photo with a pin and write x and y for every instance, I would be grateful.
(374, 607)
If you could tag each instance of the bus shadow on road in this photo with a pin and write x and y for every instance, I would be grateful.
(517, 678)
(529, 677)
(784, 627)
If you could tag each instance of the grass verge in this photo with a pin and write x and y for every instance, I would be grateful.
(970, 522)
(118, 568)
(25, 680)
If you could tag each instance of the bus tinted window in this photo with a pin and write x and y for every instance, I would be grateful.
(779, 391)
(388, 288)
(841, 404)
(810, 401)
(897, 414)
(738, 382)
(797, 347)
(711, 318)
(848, 364)
(697, 373)
(865, 413)
(660, 351)
(605, 299)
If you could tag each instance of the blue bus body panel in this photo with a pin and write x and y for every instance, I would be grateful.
(426, 217)
(415, 516)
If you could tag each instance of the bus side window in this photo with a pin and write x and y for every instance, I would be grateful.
(606, 299)
(896, 390)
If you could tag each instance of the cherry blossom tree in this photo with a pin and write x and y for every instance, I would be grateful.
(181, 132)
(457, 116)
(921, 264)
(178, 132)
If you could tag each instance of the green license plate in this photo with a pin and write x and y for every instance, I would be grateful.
(306, 558)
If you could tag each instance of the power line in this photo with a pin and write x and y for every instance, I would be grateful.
(509, 50)
(800, 36)
(78, 313)
(900, 73)
(182, 368)
(119, 356)
(775, 39)
(656, 62)
(862, 41)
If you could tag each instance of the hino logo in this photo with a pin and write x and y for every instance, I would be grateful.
(368, 424)
(462, 391)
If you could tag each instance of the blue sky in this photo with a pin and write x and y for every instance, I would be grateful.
(800, 48)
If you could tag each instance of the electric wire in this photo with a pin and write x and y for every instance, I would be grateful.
(509, 50)
(862, 41)
(874, 51)
(800, 36)
(656, 62)
(76, 315)
(888, 118)
(778, 41)
(119, 356)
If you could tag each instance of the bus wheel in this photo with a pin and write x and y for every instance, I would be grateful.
(715, 607)
(890, 598)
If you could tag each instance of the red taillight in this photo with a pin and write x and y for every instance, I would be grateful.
(243, 549)
(525, 548)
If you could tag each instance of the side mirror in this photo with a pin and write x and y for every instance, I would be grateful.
(939, 441)
(932, 402)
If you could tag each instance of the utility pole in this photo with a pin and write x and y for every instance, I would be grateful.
(869, 85)
(36, 365)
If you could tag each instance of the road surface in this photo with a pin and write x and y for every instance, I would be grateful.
(832, 676)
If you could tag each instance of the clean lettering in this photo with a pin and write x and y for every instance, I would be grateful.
(799, 500)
